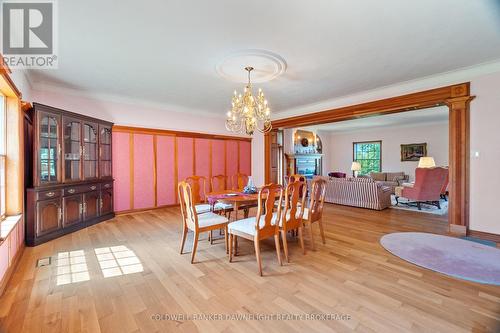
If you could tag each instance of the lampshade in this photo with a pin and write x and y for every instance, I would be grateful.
(426, 162)
(356, 166)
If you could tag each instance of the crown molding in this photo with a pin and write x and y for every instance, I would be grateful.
(401, 88)
(42, 87)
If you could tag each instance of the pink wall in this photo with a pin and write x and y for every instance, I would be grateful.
(165, 159)
(185, 157)
(200, 156)
(121, 170)
(143, 171)
(12, 232)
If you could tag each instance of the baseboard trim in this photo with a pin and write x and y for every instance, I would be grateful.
(12, 268)
(485, 235)
(459, 230)
(142, 210)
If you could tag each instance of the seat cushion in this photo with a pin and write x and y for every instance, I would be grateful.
(247, 225)
(380, 176)
(202, 208)
(221, 206)
(209, 219)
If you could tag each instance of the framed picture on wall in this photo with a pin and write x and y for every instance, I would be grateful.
(413, 152)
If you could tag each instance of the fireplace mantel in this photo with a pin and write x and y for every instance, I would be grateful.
(304, 164)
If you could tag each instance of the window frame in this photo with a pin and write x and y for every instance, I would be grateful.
(3, 156)
(379, 142)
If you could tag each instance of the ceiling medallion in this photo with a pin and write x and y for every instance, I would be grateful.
(248, 112)
(267, 65)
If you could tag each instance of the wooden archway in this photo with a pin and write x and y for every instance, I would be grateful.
(456, 97)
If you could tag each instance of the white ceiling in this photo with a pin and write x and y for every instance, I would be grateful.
(407, 119)
(166, 52)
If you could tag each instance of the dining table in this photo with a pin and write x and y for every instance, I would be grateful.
(236, 198)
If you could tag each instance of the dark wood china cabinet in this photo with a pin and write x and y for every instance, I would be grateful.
(71, 172)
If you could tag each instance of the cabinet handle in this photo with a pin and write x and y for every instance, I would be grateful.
(107, 185)
(93, 187)
(71, 190)
(50, 194)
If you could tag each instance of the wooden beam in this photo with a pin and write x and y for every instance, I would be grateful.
(140, 130)
(457, 97)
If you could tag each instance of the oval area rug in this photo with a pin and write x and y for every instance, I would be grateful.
(448, 255)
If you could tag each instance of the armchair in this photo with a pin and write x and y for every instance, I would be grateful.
(427, 187)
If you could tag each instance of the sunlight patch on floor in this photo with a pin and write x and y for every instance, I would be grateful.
(117, 260)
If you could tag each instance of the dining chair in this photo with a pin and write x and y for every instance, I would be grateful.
(315, 211)
(199, 189)
(239, 181)
(218, 183)
(262, 226)
(295, 196)
(195, 222)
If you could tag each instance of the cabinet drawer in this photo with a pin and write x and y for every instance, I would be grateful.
(106, 186)
(49, 194)
(70, 190)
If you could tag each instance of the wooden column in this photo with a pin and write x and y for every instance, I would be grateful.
(459, 164)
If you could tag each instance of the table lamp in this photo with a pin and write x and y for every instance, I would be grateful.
(356, 167)
(426, 162)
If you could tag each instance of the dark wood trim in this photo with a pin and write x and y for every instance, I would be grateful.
(409, 102)
(456, 97)
(130, 129)
(140, 210)
(485, 235)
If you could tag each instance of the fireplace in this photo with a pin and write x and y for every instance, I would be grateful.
(308, 165)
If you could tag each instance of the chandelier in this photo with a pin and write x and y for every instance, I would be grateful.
(248, 112)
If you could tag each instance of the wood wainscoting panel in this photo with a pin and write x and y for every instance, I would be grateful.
(165, 165)
(121, 171)
(185, 158)
(143, 171)
(148, 164)
(218, 158)
(202, 158)
(245, 157)
(231, 158)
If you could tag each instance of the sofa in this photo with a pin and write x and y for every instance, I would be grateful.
(390, 179)
(357, 192)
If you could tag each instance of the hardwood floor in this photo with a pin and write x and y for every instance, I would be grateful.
(351, 275)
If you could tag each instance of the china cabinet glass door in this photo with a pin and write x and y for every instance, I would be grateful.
(89, 150)
(105, 151)
(49, 148)
(72, 149)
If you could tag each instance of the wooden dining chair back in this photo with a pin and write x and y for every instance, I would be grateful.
(218, 183)
(315, 211)
(189, 215)
(239, 181)
(267, 224)
(198, 188)
(295, 196)
(264, 225)
(197, 223)
(296, 178)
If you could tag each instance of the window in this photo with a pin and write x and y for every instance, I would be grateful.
(3, 139)
(369, 155)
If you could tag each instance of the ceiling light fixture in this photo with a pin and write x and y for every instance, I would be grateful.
(248, 112)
